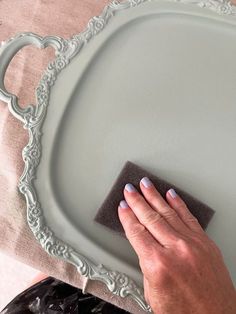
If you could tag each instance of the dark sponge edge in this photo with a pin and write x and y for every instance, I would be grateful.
(107, 214)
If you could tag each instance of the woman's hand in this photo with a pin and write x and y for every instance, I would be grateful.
(182, 267)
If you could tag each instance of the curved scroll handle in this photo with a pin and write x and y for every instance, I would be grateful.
(8, 51)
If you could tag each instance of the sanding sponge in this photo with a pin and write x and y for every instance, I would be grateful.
(107, 214)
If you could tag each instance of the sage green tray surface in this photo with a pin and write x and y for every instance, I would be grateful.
(154, 84)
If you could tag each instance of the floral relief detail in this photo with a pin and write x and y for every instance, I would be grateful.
(44, 234)
(27, 118)
(224, 8)
(87, 35)
(62, 250)
(35, 210)
(121, 279)
(96, 24)
(42, 93)
(39, 235)
(61, 62)
(221, 7)
(49, 78)
(136, 2)
(35, 223)
(118, 283)
(34, 152)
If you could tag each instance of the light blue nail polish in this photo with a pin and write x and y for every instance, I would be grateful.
(146, 182)
(124, 204)
(172, 192)
(130, 188)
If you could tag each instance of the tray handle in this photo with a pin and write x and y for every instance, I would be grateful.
(8, 50)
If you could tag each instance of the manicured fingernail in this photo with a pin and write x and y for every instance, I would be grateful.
(124, 204)
(146, 182)
(172, 193)
(130, 188)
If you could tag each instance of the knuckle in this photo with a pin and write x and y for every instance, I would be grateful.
(157, 271)
(194, 249)
(181, 205)
(136, 231)
(183, 243)
(147, 267)
(152, 218)
(200, 240)
(202, 244)
(151, 269)
(190, 218)
(160, 273)
(185, 247)
(151, 264)
(169, 213)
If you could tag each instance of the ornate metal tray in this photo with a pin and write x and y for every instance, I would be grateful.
(148, 81)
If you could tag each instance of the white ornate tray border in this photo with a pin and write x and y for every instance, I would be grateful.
(33, 117)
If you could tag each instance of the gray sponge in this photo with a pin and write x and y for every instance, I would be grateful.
(131, 173)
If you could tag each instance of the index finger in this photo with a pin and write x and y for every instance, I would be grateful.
(139, 237)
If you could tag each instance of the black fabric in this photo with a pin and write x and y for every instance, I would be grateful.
(52, 296)
(107, 214)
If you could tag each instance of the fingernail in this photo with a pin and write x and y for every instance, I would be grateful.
(146, 182)
(130, 188)
(124, 204)
(172, 192)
